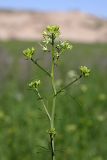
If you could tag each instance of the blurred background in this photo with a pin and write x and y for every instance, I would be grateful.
(81, 113)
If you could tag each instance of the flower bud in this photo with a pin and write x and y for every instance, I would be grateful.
(85, 71)
(29, 52)
(34, 84)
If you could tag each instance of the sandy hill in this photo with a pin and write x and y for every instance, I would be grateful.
(75, 26)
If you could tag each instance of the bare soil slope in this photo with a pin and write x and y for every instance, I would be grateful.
(75, 26)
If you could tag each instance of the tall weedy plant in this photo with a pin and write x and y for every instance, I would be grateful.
(56, 48)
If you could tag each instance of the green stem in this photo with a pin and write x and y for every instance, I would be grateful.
(52, 147)
(54, 101)
(38, 65)
(53, 85)
(52, 138)
(43, 103)
(68, 85)
(53, 112)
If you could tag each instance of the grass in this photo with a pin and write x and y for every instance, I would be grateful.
(81, 119)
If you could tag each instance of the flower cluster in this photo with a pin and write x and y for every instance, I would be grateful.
(63, 46)
(34, 84)
(29, 52)
(51, 31)
(49, 35)
(52, 132)
(85, 71)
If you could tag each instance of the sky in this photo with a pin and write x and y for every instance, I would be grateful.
(96, 7)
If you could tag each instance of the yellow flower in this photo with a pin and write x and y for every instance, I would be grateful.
(85, 71)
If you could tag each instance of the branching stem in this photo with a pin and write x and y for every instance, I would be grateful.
(57, 48)
(38, 65)
(68, 85)
(43, 103)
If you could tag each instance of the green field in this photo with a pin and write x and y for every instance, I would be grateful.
(81, 111)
